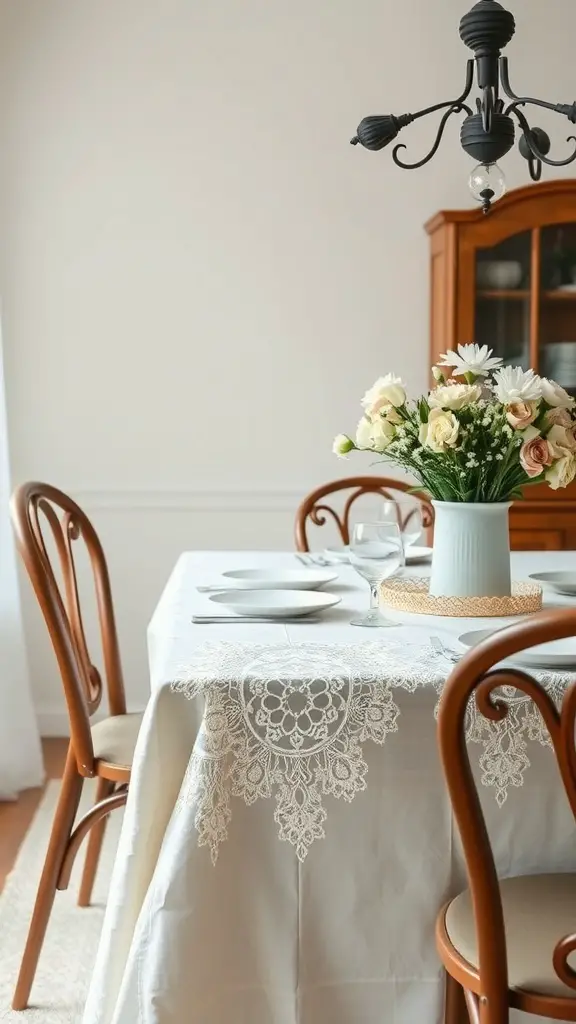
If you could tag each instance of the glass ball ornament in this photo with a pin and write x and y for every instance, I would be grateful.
(487, 184)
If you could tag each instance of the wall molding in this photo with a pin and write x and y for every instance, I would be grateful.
(190, 501)
(52, 722)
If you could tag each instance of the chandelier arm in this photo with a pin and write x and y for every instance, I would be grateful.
(454, 109)
(568, 109)
(536, 153)
(558, 108)
(458, 102)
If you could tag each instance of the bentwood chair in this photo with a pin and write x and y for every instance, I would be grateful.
(103, 750)
(315, 510)
(506, 944)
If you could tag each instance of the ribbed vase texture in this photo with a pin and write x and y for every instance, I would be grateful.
(471, 555)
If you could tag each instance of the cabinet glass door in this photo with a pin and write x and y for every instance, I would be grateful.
(557, 304)
(503, 305)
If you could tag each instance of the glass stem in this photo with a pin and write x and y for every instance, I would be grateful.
(374, 597)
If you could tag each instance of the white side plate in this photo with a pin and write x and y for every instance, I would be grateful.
(556, 655)
(558, 582)
(275, 604)
(416, 554)
(279, 579)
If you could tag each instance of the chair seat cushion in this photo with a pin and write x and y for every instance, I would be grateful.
(539, 910)
(115, 738)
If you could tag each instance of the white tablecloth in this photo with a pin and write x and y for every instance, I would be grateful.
(343, 935)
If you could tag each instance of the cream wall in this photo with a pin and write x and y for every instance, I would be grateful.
(198, 274)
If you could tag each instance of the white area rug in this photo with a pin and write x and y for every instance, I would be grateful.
(66, 961)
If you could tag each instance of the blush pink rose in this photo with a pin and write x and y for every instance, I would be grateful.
(535, 455)
(521, 414)
(558, 418)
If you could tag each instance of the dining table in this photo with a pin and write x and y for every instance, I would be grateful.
(288, 839)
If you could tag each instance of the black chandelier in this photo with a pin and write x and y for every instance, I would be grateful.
(488, 134)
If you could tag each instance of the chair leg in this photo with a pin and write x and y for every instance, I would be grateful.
(473, 1004)
(455, 1011)
(66, 810)
(104, 789)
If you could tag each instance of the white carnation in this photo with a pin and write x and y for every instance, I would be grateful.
(555, 395)
(387, 393)
(454, 396)
(513, 384)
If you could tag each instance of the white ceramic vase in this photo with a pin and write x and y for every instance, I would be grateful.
(471, 554)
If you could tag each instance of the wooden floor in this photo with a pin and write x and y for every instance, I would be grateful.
(15, 817)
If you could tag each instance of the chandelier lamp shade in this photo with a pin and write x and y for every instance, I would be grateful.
(488, 133)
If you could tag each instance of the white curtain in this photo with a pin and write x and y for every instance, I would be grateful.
(20, 752)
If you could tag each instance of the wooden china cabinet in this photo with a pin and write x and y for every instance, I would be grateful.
(508, 280)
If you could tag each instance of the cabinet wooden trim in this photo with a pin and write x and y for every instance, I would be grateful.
(514, 200)
(546, 519)
(534, 295)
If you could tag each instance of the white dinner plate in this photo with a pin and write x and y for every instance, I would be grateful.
(275, 604)
(556, 655)
(413, 554)
(280, 579)
(559, 582)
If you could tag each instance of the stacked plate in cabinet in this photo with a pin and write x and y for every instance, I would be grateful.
(558, 361)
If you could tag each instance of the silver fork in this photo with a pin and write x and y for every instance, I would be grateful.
(308, 559)
(445, 652)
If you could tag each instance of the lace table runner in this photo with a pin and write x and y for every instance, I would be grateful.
(290, 720)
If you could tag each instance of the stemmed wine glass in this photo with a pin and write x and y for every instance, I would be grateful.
(376, 552)
(407, 514)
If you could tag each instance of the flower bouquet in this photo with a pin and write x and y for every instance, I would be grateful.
(477, 439)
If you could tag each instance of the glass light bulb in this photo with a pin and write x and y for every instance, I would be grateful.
(487, 184)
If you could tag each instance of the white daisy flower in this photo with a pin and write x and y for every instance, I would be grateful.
(513, 384)
(475, 359)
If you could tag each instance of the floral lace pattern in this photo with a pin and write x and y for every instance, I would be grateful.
(290, 721)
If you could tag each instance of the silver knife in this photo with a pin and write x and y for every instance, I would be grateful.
(215, 589)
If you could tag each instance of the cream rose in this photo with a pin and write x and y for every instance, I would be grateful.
(521, 414)
(393, 416)
(562, 440)
(562, 472)
(383, 432)
(555, 395)
(440, 432)
(374, 435)
(535, 455)
(342, 445)
(558, 417)
(454, 396)
(364, 433)
(388, 392)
